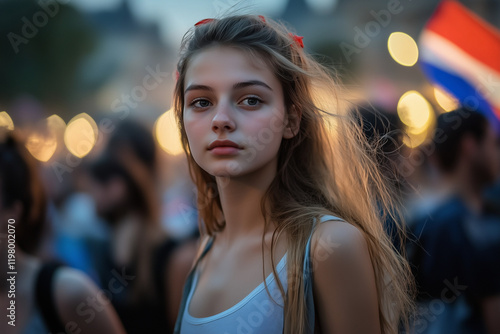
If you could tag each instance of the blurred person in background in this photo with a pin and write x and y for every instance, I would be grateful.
(48, 297)
(457, 274)
(154, 266)
(73, 221)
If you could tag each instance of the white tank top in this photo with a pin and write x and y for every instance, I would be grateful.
(256, 313)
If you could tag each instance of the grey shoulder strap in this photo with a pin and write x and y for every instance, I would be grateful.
(308, 277)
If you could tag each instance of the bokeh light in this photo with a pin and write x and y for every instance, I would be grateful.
(42, 147)
(445, 100)
(167, 133)
(413, 140)
(56, 124)
(43, 142)
(6, 121)
(417, 114)
(403, 48)
(414, 110)
(81, 135)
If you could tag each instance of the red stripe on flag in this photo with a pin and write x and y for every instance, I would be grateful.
(469, 32)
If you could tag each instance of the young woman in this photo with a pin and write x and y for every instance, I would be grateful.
(288, 192)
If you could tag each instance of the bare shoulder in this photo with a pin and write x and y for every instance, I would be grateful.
(82, 306)
(344, 280)
(72, 289)
(336, 240)
(73, 285)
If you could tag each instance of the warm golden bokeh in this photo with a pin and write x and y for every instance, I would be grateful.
(167, 133)
(6, 121)
(43, 143)
(56, 124)
(445, 100)
(417, 114)
(414, 110)
(42, 147)
(403, 48)
(81, 135)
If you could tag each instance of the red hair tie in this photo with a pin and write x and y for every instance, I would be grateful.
(298, 40)
(199, 23)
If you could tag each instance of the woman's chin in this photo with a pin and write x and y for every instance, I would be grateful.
(226, 169)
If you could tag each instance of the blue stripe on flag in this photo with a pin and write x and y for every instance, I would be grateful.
(465, 92)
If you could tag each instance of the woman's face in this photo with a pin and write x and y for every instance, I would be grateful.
(234, 112)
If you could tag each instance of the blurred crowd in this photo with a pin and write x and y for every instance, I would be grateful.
(110, 238)
(109, 226)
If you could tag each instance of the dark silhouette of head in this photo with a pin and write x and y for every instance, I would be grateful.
(465, 137)
(22, 197)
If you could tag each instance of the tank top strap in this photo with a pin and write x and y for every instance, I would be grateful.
(205, 247)
(323, 219)
(308, 275)
(189, 282)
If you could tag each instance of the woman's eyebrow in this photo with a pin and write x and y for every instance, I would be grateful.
(198, 87)
(238, 85)
(244, 84)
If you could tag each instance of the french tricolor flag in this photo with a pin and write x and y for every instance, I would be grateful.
(461, 53)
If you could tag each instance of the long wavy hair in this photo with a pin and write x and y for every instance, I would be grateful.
(328, 167)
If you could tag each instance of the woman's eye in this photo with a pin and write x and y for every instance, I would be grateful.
(252, 101)
(200, 103)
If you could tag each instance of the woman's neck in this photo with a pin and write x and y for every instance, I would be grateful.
(241, 199)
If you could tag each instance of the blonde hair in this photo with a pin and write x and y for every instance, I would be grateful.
(327, 167)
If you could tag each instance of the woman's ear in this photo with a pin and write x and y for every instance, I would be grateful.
(292, 125)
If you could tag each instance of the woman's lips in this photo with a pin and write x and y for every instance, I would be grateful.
(225, 150)
(223, 147)
(223, 142)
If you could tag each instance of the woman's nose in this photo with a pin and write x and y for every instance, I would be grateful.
(223, 120)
